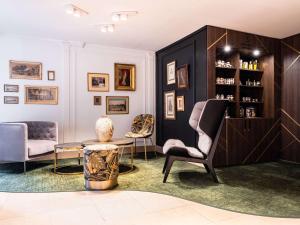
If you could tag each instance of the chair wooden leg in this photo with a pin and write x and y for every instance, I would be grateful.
(145, 148)
(135, 146)
(165, 165)
(207, 168)
(212, 172)
(154, 146)
(169, 165)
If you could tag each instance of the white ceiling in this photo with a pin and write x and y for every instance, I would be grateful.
(159, 22)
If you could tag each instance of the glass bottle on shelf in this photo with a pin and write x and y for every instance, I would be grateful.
(250, 65)
(255, 65)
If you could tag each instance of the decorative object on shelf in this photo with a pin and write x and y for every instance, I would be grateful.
(125, 77)
(252, 65)
(250, 112)
(253, 83)
(101, 166)
(44, 95)
(183, 76)
(222, 63)
(228, 97)
(51, 75)
(98, 82)
(104, 129)
(171, 68)
(11, 100)
(25, 70)
(11, 88)
(117, 105)
(249, 99)
(169, 105)
(221, 80)
(97, 100)
(180, 103)
(242, 112)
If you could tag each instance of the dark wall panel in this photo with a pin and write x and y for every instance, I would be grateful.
(290, 110)
(192, 51)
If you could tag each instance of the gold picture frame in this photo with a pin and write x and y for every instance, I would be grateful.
(171, 71)
(25, 70)
(125, 77)
(180, 103)
(98, 82)
(42, 95)
(169, 105)
(117, 105)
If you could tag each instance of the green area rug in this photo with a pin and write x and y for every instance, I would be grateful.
(268, 189)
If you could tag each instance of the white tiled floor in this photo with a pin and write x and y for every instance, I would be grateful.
(116, 207)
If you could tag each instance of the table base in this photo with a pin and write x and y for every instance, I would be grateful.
(101, 185)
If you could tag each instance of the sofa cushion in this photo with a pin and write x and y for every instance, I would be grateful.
(37, 147)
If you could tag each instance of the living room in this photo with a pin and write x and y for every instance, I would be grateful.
(141, 112)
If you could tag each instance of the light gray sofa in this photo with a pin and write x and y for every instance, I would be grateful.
(23, 141)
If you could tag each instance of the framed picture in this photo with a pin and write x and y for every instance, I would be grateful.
(25, 70)
(171, 68)
(124, 77)
(44, 95)
(98, 82)
(11, 88)
(180, 103)
(11, 100)
(117, 105)
(51, 75)
(169, 105)
(97, 100)
(183, 76)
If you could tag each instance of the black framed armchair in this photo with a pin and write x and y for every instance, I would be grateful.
(207, 120)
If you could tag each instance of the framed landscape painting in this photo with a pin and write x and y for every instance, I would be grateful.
(169, 105)
(44, 95)
(11, 100)
(117, 105)
(124, 77)
(98, 82)
(25, 70)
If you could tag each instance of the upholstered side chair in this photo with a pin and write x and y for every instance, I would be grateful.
(142, 128)
(207, 120)
(24, 141)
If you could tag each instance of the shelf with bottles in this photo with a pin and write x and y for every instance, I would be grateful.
(249, 112)
(225, 81)
(229, 97)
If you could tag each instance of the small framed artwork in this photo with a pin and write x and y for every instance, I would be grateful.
(180, 103)
(97, 100)
(11, 100)
(25, 70)
(171, 68)
(169, 105)
(11, 88)
(98, 82)
(117, 105)
(44, 95)
(51, 75)
(125, 77)
(183, 76)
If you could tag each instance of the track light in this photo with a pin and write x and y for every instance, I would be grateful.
(111, 28)
(115, 17)
(227, 48)
(256, 52)
(107, 28)
(75, 11)
(122, 15)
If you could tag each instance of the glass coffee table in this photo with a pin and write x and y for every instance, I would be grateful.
(67, 147)
(122, 143)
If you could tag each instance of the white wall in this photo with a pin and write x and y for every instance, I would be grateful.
(75, 112)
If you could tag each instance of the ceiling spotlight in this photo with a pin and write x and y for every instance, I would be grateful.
(115, 17)
(69, 9)
(104, 29)
(75, 11)
(111, 28)
(124, 17)
(227, 48)
(256, 52)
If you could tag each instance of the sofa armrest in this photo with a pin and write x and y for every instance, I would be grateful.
(13, 142)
